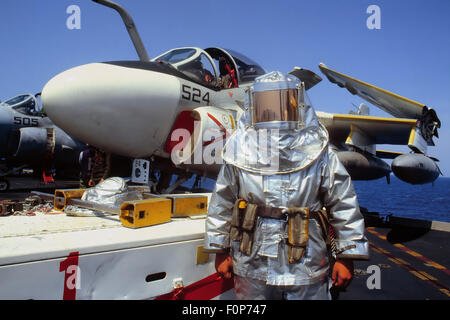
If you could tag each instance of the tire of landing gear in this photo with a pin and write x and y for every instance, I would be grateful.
(4, 185)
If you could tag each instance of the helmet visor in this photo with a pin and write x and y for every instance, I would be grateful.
(275, 105)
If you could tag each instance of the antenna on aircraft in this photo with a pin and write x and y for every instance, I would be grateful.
(131, 28)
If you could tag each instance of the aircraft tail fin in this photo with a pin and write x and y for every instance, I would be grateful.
(362, 110)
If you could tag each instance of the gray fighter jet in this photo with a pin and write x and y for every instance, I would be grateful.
(30, 140)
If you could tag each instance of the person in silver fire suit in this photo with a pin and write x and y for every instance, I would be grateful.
(278, 174)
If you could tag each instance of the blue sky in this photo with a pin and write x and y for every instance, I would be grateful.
(409, 55)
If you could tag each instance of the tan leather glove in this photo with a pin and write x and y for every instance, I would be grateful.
(342, 273)
(224, 265)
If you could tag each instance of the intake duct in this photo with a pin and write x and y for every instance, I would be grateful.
(30, 144)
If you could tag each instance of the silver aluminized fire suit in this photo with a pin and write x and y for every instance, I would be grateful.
(308, 174)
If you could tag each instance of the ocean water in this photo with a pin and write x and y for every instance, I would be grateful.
(425, 202)
(401, 199)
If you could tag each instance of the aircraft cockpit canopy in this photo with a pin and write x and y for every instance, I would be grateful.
(24, 103)
(248, 69)
(213, 67)
(195, 63)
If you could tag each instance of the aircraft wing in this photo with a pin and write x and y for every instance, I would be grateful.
(392, 103)
(365, 132)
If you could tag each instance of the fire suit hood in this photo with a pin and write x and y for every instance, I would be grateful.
(276, 147)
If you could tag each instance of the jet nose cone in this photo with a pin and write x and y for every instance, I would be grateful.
(124, 110)
(55, 96)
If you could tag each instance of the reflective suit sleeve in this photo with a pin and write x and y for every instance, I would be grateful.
(339, 198)
(220, 209)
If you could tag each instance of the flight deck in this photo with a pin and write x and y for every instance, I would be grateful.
(413, 260)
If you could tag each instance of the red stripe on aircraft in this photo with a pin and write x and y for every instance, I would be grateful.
(222, 128)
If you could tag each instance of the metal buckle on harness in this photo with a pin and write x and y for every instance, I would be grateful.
(291, 211)
(242, 204)
(286, 211)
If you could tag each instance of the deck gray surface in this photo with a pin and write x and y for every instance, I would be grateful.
(414, 264)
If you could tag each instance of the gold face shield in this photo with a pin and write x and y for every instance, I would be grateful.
(275, 105)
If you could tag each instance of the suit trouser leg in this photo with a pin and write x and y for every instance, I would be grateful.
(253, 289)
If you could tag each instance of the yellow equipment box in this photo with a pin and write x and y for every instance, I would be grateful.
(184, 205)
(59, 204)
(144, 213)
